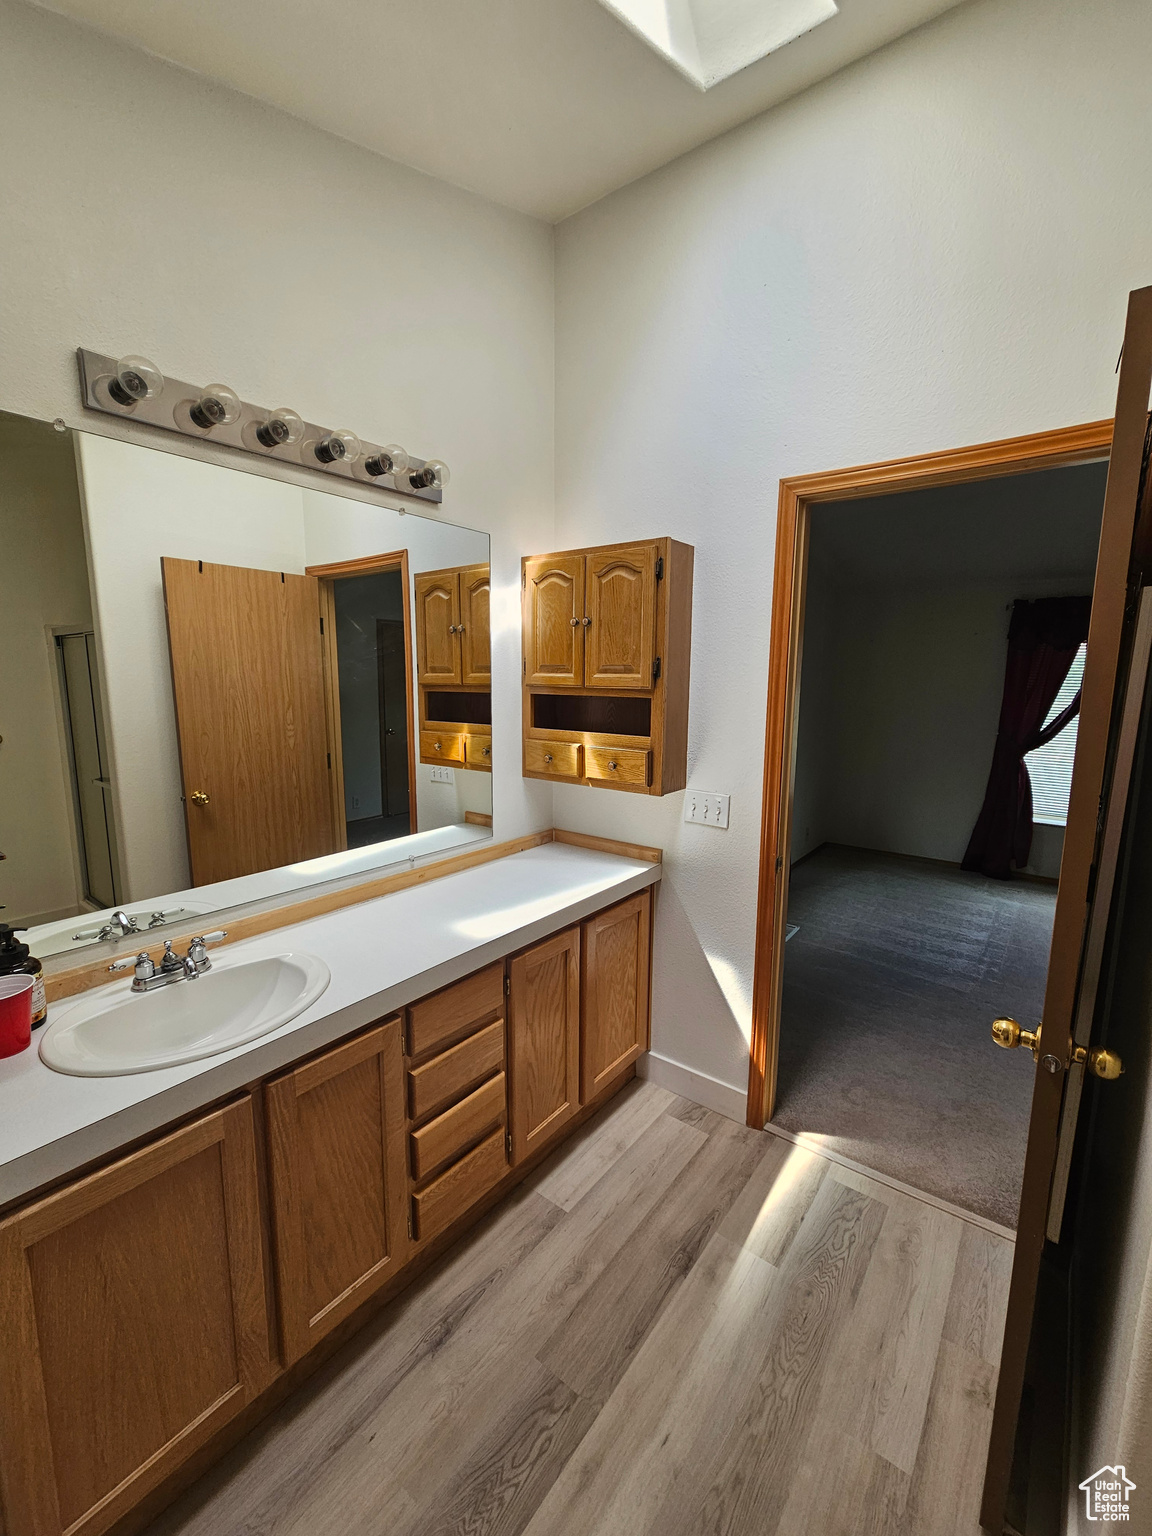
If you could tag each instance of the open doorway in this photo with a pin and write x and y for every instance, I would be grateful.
(920, 904)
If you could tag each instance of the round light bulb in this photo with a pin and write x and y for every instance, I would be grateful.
(218, 406)
(389, 461)
(338, 447)
(282, 428)
(135, 379)
(434, 476)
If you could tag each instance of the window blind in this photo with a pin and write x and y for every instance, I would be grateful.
(1050, 766)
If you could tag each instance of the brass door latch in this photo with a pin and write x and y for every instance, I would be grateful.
(1101, 1063)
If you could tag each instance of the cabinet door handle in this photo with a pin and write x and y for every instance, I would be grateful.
(585, 622)
(575, 623)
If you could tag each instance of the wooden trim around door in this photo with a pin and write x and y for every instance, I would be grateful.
(396, 560)
(1010, 456)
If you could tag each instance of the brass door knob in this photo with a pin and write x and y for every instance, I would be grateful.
(199, 797)
(1100, 1063)
(1007, 1032)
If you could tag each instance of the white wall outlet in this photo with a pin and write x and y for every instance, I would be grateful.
(710, 810)
(441, 775)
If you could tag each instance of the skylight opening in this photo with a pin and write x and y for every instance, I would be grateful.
(709, 40)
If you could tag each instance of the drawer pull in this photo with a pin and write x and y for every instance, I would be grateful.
(485, 751)
(437, 744)
(574, 623)
(547, 757)
(613, 766)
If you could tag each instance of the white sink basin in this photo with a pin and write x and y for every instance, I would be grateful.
(116, 1031)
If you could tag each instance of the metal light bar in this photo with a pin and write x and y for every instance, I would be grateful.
(170, 408)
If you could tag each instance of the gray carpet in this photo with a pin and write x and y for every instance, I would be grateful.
(890, 988)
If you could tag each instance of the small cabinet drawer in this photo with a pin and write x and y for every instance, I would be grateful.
(478, 751)
(459, 1008)
(561, 758)
(442, 746)
(447, 1076)
(459, 1187)
(617, 765)
(457, 1128)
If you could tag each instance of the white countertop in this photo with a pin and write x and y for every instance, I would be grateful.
(382, 954)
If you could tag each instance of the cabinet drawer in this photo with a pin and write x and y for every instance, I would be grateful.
(449, 1134)
(459, 1008)
(447, 1076)
(442, 746)
(478, 751)
(459, 1187)
(617, 765)
(561, 758)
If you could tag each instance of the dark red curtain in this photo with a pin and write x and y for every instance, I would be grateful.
(1043, 639)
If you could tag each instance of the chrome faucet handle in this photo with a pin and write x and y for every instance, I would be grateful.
(169, 961)
(198, 954)
(145, 969)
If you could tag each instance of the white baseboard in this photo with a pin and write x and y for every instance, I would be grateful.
(697, 1086)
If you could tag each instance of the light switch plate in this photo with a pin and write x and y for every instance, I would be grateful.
(706, 808)
(441, 775)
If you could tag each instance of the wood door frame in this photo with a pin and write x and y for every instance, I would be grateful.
(369, 565)
(1009, 456)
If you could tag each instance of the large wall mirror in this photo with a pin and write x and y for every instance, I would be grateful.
(220, 688)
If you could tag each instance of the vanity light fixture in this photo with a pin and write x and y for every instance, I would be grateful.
(389, 461)
(281, 428)
(336, 447)
(218, 406)
(135, 379)
(133, 386)
(434, 475)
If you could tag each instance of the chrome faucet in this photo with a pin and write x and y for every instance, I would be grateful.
(147, 976)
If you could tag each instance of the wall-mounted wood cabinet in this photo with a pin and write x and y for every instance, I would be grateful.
(133, 1325)
(607, 642)
(454, 666)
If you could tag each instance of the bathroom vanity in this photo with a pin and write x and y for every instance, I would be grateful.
(178, 1248)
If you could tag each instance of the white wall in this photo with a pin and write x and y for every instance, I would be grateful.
(146, 210)
(898, 732)
(43, 586)
(932, 248)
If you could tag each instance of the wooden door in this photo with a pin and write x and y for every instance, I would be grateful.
(251, 717)
(620, 650)
(544, 1041)
(554, 621)
(475, 629)
(133, 1325)
(394, 703)
(1124, 548)
(614, 992)
(437, 628)
(336, 1160)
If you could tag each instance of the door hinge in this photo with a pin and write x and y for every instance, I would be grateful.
(523, 666)
(656, 669)
(321, 623)
(411, 1234)
(660, 568)
(329, 762)
(507, 986)
(508, 1145)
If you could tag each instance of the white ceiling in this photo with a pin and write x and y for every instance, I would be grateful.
(543, 105)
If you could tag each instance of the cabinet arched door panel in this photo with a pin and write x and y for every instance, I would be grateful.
(620, 649)
(476, 640)
(437, 625)
(554, 621)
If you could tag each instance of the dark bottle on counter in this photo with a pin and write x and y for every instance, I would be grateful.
(15, 960)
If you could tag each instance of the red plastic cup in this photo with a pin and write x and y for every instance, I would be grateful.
(15, 1014)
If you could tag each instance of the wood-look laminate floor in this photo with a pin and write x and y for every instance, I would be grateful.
(678, 1325)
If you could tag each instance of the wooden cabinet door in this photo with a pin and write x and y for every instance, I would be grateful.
(336, 1158)
(251, 717)
(544, 1041)
(133, 1325)
(475, 631)
(437, 628)
(620, 649)
(554, 621)
(614, 1024)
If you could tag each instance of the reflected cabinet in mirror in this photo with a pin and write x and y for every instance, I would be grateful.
(220, 688)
